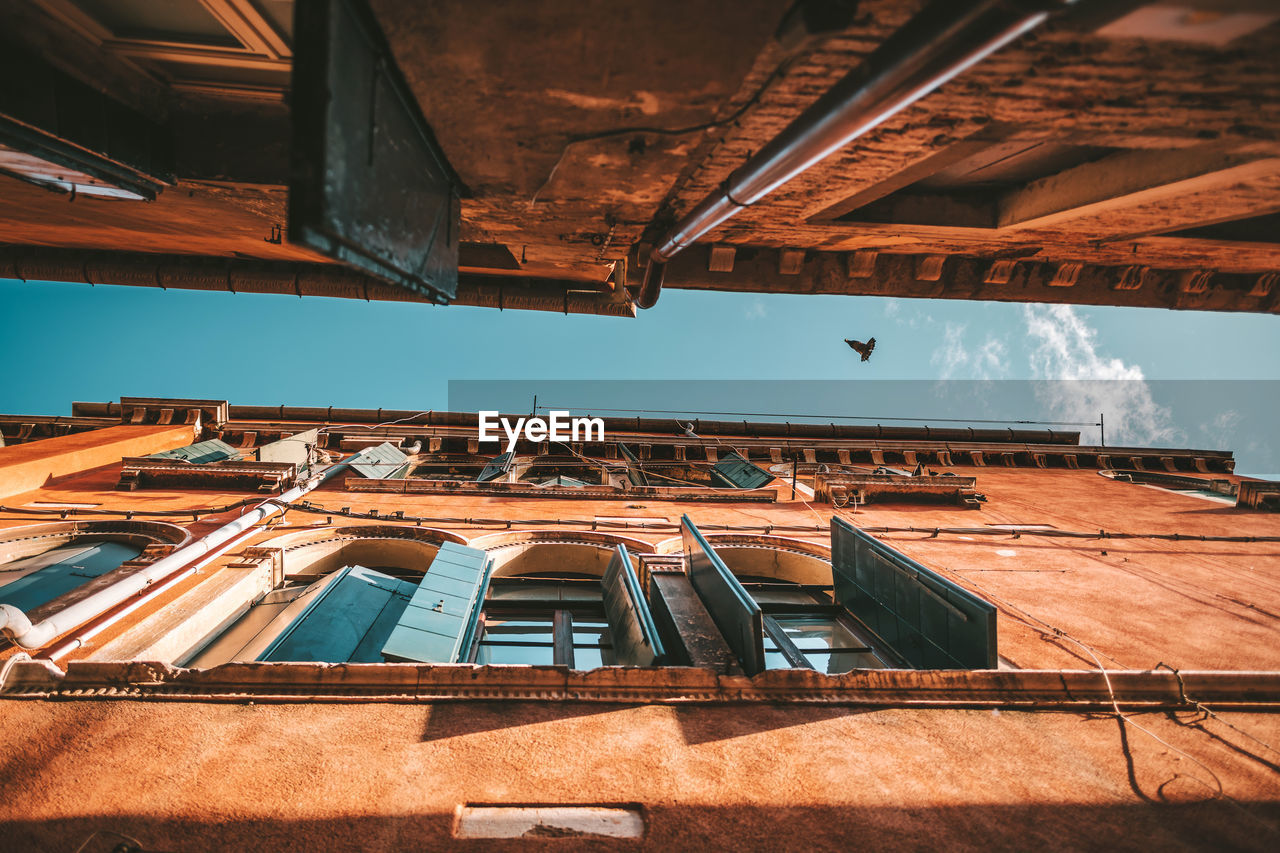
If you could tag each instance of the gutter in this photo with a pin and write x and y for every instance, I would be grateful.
(944, 39)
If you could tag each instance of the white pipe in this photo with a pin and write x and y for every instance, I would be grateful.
(15, 624)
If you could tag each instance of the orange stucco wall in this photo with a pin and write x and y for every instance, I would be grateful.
(352, 774)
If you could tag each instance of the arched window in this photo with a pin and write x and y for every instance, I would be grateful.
(31, 581)
(567, 599)
(341, 599)
(870, 606)
(40, 563)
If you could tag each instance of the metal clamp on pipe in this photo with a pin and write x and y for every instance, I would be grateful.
(942, 40)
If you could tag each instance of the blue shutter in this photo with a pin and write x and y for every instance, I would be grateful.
(347, 622)
(497, 466)
(440, 621)
(65, 568)
(200, 453)
(384, 462)
(732, 608)
(635, 637)
(738, 473)
(927, 619)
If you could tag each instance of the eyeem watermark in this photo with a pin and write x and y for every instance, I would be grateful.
(557, 426)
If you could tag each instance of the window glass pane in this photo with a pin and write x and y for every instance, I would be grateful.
(589, 658)
(534, 655)
(817, 633)
(518, 629)
(591, 631)
(775, 659)
(833, 662)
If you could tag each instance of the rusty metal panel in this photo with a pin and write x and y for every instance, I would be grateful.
(635, 637)
(927, 619)
(734, 611)
(370, 186)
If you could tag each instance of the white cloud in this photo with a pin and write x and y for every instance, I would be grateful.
(950, 356)
(955, 359)
(755, 311)
(1064, 347)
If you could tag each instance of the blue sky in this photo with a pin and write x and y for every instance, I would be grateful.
(65, 342)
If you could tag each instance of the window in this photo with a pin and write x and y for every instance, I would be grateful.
(804, 628)
(545, 619)
(881, 609)
(344, 617)
(31, 581)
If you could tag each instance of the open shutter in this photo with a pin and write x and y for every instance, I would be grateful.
(200, 453)
(440, 621)
(369, 184)
(634, 472)
(384, 462)
(738, 473)
(635, 637)
(927, 619)
(346, 622)
(497, 466)
(732, 608)
(293, 448)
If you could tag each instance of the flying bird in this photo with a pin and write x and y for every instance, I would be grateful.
(862, 349)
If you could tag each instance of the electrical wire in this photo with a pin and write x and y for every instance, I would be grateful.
(594, 410)
(933, 531)
(577, 139)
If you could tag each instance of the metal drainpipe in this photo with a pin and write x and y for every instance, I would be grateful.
(15, 624)
(941, 41)
(96, 626)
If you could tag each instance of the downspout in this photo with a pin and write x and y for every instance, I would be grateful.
(15, 624)
(941, 41)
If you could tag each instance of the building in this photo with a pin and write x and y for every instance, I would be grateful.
(537, 156)
(321, 628)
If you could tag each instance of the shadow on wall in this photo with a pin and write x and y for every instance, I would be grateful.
(1206, 825)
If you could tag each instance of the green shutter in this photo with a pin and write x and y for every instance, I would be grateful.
(732, 608)
(927, 619)
(635, 637)
(497, 466)
(738, 473)
(200, 453)
(384, 462)
(346, 622)
(440, 621)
